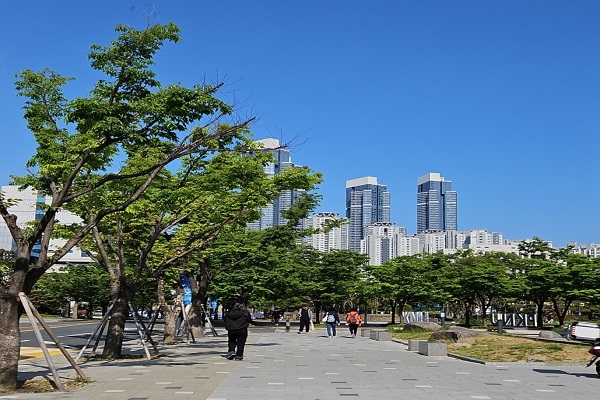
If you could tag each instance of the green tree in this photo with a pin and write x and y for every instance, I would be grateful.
(81, 142)
(569, 276)
(7, 260)
(486, 277)
(535, 248)
(404, 280)
(538, 283)
(337, 278)
(590, 290)
(267, 265)
(79, 283)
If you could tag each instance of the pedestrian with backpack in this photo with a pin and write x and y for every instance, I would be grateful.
(331, 319)
(353, 320)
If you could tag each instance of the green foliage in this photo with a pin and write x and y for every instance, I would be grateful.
(7, 264)
(87, 283)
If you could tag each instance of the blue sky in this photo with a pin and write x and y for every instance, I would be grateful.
(501, 97)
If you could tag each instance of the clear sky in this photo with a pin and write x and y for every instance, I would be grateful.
(500, 97)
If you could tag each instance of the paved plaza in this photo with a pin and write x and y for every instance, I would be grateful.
(280, 365)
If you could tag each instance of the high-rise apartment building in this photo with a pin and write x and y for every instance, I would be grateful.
(328, 238)
(436, 204)
(383, 241)
(367, 202)
(271, 214)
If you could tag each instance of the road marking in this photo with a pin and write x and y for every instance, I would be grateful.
(36, 352)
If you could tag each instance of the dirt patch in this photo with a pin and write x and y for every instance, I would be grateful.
(43, 385)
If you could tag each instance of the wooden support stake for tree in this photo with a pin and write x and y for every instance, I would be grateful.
(100, 325)
(153, 321)
(54, 338)
(147, 332)
(187, 324)
(139, 329)
(40, 339)
(207, 321)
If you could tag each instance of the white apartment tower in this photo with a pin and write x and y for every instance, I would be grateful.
(328, 238)
(383, 241)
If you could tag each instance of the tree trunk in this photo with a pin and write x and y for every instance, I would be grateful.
(483, 304)
(400, 306)
(170, 324)
(540, 313)
(169, 315)
(468, 315)
(116, 328)
(393, 312)
(10, 345)
(196, 316)
(561, 314)
(196, 320)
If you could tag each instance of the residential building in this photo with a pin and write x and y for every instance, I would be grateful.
(432, 241)
(328, 238)
(367, 202)
(436, 204)
(271, 214)
(478, 240)
(382, 242)
(588, 249)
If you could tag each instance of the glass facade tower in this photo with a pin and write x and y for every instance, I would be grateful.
(436, 204)
(271, 215)
(367, 202)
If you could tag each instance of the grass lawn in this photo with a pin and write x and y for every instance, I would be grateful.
(508, 348)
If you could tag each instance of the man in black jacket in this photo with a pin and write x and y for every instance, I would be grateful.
(236, 323)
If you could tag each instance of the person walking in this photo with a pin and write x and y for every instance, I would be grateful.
(305, 318)
(332, 320)
(236, 321)
(353, 320)
(276, 317)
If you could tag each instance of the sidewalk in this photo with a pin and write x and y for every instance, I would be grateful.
(281, 365)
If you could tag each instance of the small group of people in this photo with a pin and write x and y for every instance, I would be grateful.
(331, 319)
(238, 318)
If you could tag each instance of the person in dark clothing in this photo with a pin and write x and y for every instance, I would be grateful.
(236, 322)
(305, 318)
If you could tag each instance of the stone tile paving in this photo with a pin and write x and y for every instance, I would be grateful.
(314, 367)
(281, 365)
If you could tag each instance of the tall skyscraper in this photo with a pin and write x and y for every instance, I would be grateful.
(271, 215)
(367, 202)
(436, 204)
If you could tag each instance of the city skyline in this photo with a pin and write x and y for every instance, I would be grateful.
(500, 97)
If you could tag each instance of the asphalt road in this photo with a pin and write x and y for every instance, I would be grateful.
(72, 334)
